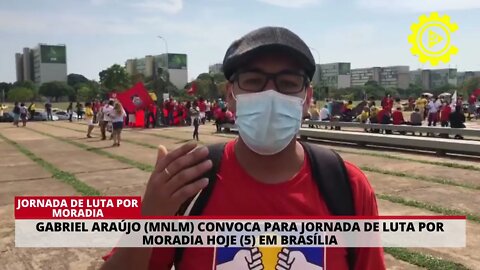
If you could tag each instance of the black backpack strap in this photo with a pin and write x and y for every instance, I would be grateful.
(330, 174)
(194, 206)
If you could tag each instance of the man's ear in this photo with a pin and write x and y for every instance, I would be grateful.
(308, 99)
(232, 103)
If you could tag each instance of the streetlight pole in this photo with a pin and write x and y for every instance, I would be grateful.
(166, 61)
(321, 84)
(319, 68)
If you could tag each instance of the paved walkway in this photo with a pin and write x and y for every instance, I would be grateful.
(115, 177)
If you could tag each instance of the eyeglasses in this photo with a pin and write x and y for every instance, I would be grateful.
(286, 82)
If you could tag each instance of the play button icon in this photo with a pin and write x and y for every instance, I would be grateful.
(433, 39)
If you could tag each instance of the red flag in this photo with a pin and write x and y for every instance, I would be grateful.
(476, 92)
(136, 98)
(193, 89)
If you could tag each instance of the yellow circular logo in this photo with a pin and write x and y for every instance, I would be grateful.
(431, 39)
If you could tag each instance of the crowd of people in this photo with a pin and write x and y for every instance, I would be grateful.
(429, 109)
(196, 113)
(111, 116)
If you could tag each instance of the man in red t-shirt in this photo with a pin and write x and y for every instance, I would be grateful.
(202, 107)
(264, 172)
(445, 114)
(397, 117)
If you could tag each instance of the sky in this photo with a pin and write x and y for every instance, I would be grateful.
(100, 33)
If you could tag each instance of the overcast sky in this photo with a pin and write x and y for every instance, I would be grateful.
(99, 33)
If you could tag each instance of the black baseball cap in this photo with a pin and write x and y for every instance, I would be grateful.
(268, 39)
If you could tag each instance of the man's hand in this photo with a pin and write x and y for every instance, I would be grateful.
(175, 179)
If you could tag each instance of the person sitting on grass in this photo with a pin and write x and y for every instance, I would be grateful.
(457, 120)
(385, 118)
(445, 114)
(398, 119)
(416, 119)
(364, 116)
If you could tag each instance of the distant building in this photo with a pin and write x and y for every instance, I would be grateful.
(150, 65)
(442, 77)
(360, 76)
(332, 75)
(395, 77)
(387, 77)
(44, 63)
(463, 77)
(434, 78)
(215, 68)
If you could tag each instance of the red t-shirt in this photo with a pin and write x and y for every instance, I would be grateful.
(445, 113)
(202, 106)
(472, 99)
(397, 117)
(380, 115)
(236, 193)
(169, 105)
(220, 115)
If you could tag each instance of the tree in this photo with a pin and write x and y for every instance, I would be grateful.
(470, 86)
(136, 78)
(25, 84)
(85, 94)
(5, 87)
(20, 94)
(219, 78)
(115, 78)
(444, 88)
(413, 90)
(373, 89)
(74, 79)
(56, 90)
(211, 86)
(161, 84)
(319, 93)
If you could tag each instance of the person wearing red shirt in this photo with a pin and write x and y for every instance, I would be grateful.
(387, 103)
(397, 117)
(169, 106)
(445, 114)
(380, 115)
(203, 107)
(262, 172)
(220, 118)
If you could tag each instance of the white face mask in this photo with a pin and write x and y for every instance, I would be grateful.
(268, 120)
